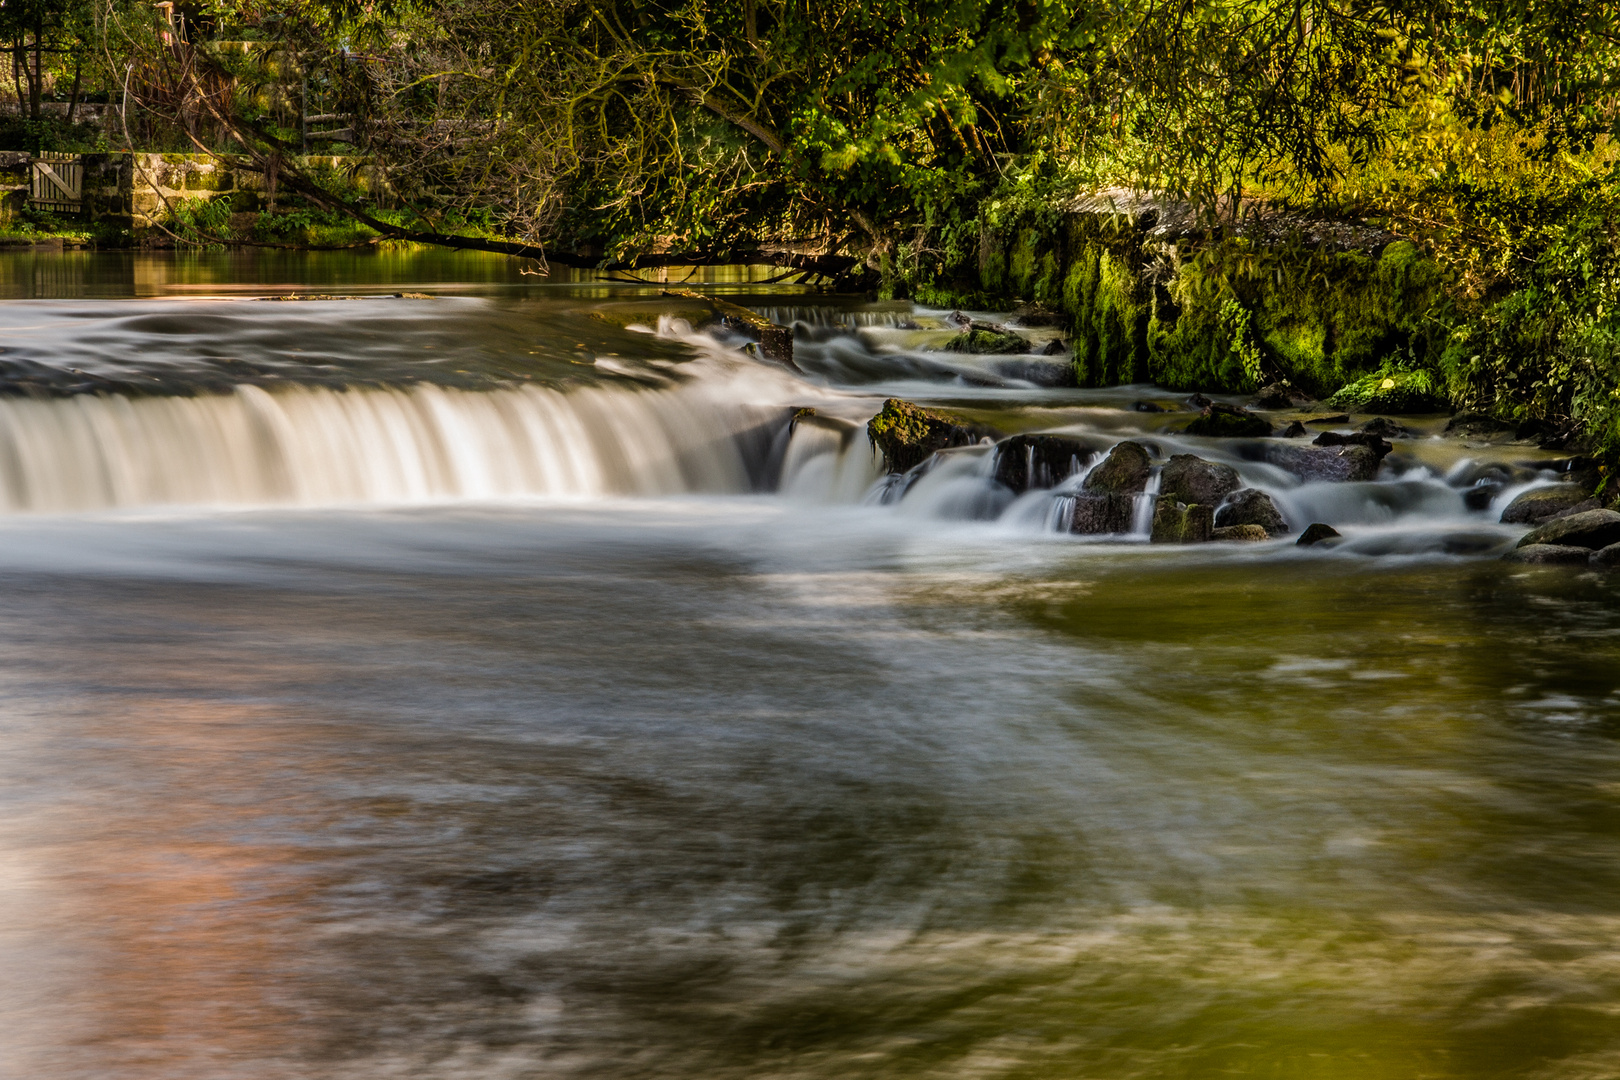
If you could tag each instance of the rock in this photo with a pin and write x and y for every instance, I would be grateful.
(1316, 533)
(1054, 347)
(1279, 396)
(908, 435)
(1038, 461)
(1039, 372)
(1543, 503)
(1251, 534)
(1124, 472)
(959, 320)
(1482, 494)
(1341, 418)
(1177, 522)
(1588, 529)
(1220, 420)
(1294, 430)
(1606, 558)
(1397, 392)
(1199, 401)
(1476, 424)
(1148, 406)
(1102, 512)
(1331, 463)
(1375, 443)
(1251, 507)
(984, 340)
(1037, 315)
(1550, 555)
(1389, 429)
(1191, 479)
(1579, 508)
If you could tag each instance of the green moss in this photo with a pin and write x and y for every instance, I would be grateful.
(1106, 303)
(1392, 391)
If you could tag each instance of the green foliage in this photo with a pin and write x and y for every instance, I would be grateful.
(200, 221)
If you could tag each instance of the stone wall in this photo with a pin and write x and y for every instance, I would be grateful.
(161, 180)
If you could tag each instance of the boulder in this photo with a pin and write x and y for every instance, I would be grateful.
(1375, 443)
(1279, 396)
(1251, 507)
(1124, 472)
(1178, 523)
(1539, 504)
(1294, 430)
(1219, 420)
(987, 340)
(1038, 461)
(1199, 401)
(1589, 529)
(1102, 512)
(1315, 533)
(1251, 534)
(1055, 347)
(1333, 463)
(1482, 494)
(907, 434)
(1550, 555)
(1191, 479)
(1606, 558)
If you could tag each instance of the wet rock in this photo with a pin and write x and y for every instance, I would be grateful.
(907, 434)
(1176, 522)
(1191, 479)
(1251, 534)
(1250, 507)
(1606, 558)
(1279, 396)
(1096, 513)
(1199, 401)
(1037, 315)
(1124, 472)
(1375, 443)
(1550, 555)
(1588, 529)
(1220, 420)
(1340, 418)
(1054, 347)
(1482, 494)
(1474, 425)
(1038, 461)
(1543, 503)
(1315, 533)
(1294, 430)
(1040, 372)
(1330, 463)
(1148, 406)
(983, 340)
(1389, 429)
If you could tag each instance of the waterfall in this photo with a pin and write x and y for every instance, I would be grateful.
(311, 445)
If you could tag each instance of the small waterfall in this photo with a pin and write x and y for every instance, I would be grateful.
(1142, 507)
(305, 445)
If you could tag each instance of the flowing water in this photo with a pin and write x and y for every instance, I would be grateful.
(504, 685)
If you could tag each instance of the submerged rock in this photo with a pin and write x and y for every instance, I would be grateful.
(1251, 507)
(1038, 461)
(1315, 533)
(1588, 529)
(1179, 523)
(1294, 430)
(1375, 443)
(984, 340)
(907, 434)
(1219, 420)
(1191, 479)
(1124, 472)
(1606, 558)
(1251, 534)
(1543, 503)
(1383, 425)
(1332, 463)
(1101, 512)
(1550, 555)
(1476, 424)
(1341, 418)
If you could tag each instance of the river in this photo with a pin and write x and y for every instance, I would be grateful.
(496, 685)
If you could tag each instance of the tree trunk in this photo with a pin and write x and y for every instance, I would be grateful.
(35, 87)
(73, 100)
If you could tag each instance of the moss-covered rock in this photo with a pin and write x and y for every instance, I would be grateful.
(907, 434)
(1250, 507)
(1241, 533)
(1102, 512)
(1176, 522)
(1124, 472)
(1590, 529)
(985, 341)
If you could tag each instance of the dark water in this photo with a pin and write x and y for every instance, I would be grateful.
(688, 779)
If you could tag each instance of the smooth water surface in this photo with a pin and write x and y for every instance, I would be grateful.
(578, 717)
